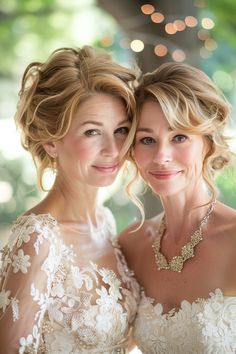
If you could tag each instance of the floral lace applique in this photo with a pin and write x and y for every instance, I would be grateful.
(74, 308)
(204, 326)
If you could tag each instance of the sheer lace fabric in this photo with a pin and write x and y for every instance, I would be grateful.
(206, 326)
(65, 288)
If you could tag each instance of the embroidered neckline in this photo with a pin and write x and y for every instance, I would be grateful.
(82, 228)
(213, 295)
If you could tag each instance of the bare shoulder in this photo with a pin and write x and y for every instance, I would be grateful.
(226, 219)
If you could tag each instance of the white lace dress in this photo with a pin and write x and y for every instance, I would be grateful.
(60, 294)
(206, 326)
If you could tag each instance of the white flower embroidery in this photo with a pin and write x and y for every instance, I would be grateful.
(25, 343)
(76, 306)
(4, 299)
(20, 262)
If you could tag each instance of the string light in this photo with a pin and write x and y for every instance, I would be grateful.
(157, 17)
(179, 25)
(160, 50)
(203, 34)
(210, 44)
(191, 21)
(169, 28)
(147, 9)
(207, 23)
(178, 55)
(137, 46)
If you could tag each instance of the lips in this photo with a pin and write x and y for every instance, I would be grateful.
(106, 168)
(164, 174)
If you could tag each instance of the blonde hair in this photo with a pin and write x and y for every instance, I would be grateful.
(191, 102)
(52, 91)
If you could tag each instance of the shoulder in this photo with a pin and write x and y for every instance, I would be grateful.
(31, 229)
(225, 219)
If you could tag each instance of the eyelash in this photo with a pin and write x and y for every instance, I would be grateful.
(91, 132)
(149, 140)
(182, 136)
(122, 130)
(94, 132)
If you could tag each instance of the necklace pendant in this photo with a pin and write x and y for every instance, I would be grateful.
(161, 262)
(177, 263)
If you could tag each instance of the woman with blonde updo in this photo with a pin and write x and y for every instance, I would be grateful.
(64, 287)
(184, 258)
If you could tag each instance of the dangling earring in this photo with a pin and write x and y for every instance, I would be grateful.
(53, 162)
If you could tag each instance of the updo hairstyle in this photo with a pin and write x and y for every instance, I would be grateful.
(52, 91)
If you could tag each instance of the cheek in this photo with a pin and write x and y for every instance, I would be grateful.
(187, 157)
(141, 157)
(83, 149)
(192, 157)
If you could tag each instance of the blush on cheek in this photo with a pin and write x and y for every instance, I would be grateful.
(188, 158)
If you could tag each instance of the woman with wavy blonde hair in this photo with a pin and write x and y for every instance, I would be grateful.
(63, 287)
(184, 258)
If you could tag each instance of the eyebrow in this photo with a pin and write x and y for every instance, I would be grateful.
(101, 124)
(148, 130)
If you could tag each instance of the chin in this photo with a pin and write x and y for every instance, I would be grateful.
(103, 183)
(164, 191)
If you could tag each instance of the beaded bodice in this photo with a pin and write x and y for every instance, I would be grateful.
(64, 292)
(206, 326)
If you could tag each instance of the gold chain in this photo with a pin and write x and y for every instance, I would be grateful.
(177, 262)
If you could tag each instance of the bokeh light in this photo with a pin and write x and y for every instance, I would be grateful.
(137, 45)
(210, 44)
(170, 28)
(191, 21)
(157, 17)
(160, 50)
(223, 80)
(147, 9)
(179, 25)
(207, 23)
(203, 34)
(178, 55)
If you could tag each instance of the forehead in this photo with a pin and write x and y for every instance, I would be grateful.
(100, 106)
(151, 113)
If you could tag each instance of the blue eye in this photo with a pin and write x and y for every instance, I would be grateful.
(91, 132)
(122, 130)
(147, 141)
(180, 138)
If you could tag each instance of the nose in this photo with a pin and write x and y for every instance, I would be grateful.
(110, 147)
(162, 154)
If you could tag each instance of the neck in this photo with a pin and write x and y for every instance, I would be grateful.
(72, 202)
(184, 212)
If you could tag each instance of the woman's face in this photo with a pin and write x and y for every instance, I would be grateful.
(169, 161)
(90, 152)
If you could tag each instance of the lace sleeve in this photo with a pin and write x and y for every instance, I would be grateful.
(28, 263)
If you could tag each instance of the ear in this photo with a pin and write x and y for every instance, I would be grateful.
(50, 148)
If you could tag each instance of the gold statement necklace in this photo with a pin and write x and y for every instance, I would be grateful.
(177, 262)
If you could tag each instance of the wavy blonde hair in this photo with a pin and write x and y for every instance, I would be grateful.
(52, 91)
(191, 102)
